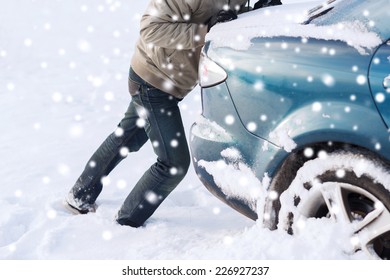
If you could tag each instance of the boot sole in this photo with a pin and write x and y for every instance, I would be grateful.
(76, 211)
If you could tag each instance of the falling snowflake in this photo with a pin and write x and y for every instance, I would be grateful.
(380, 97)
(229, 120)
(18, 193)
(63, 169)
(105, 180)
(316, 107)
(340, 173)
(361, 79)
(28, 42)
(109, 96)
(119, 132)
(263, 118)
(322, 154)
(121, 184)
(76, 131)
(124, 151)
(174, 143)
(252, 126)
(216, 210)
(173, 171)
(308, 152)
(328, 80)
(151, 197)
(84, 46)
(11, 86)
(57, 97)
(51, 214)
(46, 180)
(259, 86)
(107, 235)
(84, 8)
(141, 122)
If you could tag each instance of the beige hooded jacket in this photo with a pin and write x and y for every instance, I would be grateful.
(171, 37)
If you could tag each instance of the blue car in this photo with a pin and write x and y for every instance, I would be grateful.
(296, 115)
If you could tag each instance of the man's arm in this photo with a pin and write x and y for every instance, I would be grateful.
(167, 24)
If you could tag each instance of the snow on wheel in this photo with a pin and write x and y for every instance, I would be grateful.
(348, 188)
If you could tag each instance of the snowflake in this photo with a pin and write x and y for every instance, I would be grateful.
(107, 235)
(361, 79)
(174, 143)
(151, 197)
(105, 180)
(28, 42)
(46, 180)
(316, 107)
(121, 184)
(124, 151)
(251, 126)
(229, 120)
(380, 97)
(51, 214)
(76, 130)
(173, 171)
(308, 152)
(84, 46)
(84, 8)
(141, 122)
(328, 80)
(10, 86)
(109, 96)
(259, 86)
(63, 169)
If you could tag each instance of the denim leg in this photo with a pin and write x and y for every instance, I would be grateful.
(128, 135)
(164, 127)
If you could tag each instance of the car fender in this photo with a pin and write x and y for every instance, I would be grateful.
(336, 122)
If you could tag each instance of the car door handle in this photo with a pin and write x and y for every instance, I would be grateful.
(386, 82)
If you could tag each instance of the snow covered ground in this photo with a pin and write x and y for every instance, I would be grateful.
(63, 89)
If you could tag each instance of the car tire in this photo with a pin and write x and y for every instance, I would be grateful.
(346, 187)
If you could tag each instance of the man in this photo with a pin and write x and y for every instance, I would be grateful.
(164, 69)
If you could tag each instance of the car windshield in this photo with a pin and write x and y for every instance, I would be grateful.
(374, 14)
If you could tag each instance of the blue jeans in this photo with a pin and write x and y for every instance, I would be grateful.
(154, 115)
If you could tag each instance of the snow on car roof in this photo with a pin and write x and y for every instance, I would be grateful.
(287, 20)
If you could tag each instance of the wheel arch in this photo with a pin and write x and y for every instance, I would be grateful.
(343, 122)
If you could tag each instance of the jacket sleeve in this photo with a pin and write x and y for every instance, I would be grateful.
(168, 24)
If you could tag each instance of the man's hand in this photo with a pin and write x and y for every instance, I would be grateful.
(266, 3)
(222, 16)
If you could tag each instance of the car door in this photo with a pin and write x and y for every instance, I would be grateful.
(379, 77)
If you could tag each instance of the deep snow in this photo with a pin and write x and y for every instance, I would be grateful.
(63, 89)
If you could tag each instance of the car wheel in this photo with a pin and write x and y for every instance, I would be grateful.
(349, 188)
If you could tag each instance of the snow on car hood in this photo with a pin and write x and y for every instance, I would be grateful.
(286, 20)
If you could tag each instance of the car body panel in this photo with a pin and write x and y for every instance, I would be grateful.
(379, 77)
(303, 96)
(285, 93)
